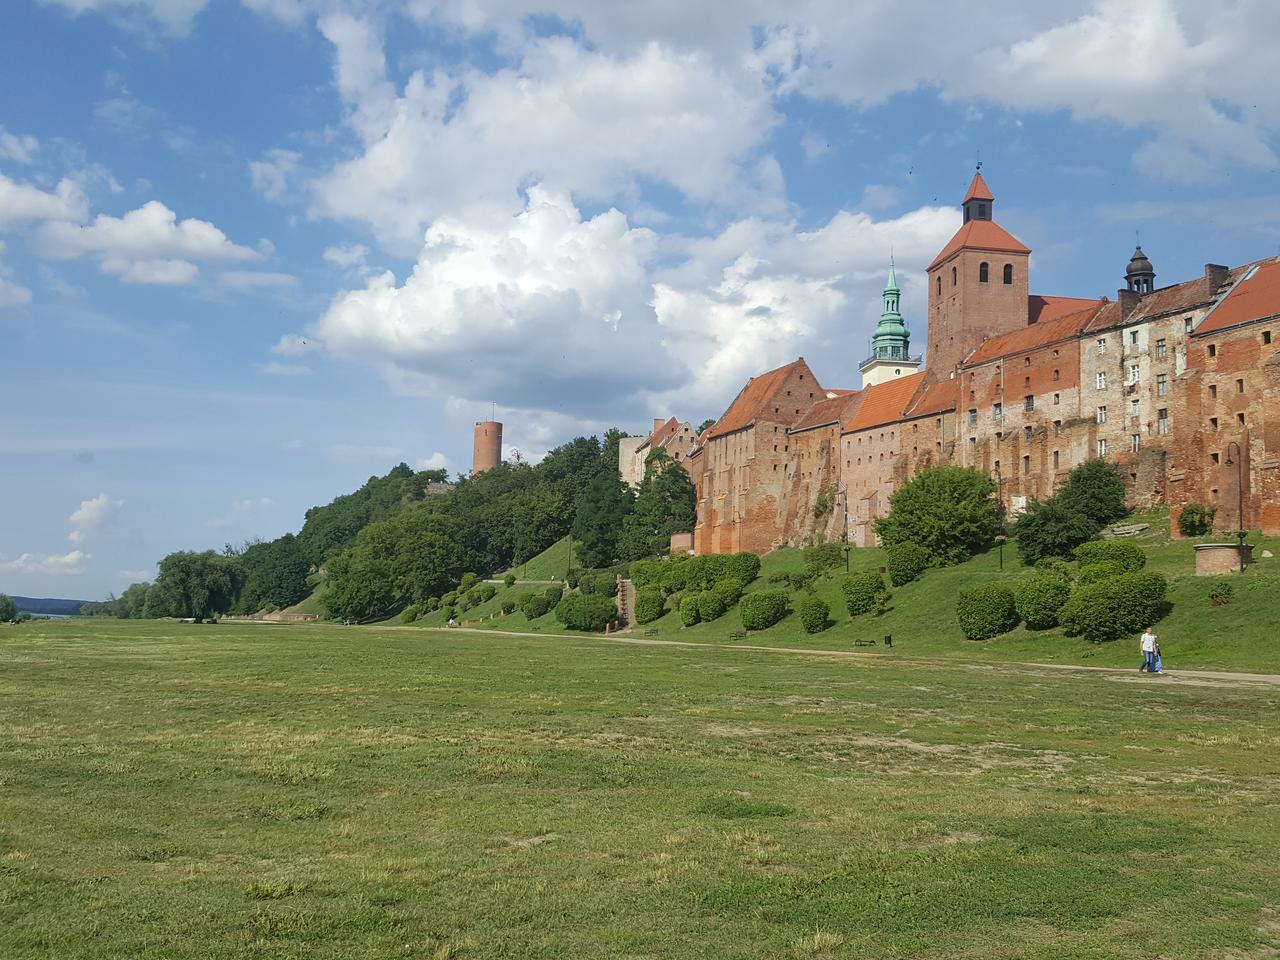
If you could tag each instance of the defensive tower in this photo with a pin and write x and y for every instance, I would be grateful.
(486, 451)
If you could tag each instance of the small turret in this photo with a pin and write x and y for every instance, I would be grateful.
(891, 343)
(1140, 276)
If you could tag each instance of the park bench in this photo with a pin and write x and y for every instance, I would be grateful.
(864, 642)
(651, 633)
(738, 635)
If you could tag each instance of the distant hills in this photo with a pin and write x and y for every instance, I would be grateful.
(64, 608)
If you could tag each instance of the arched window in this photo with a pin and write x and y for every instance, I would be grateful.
(1008, 273)
(939, 284)
(983, 273)
(953, 276)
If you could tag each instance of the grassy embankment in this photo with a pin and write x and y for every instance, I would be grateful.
(253, 790)
(1242, 635)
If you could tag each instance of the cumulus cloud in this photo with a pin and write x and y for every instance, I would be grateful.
(91, 515)
(348, 256)
(19, 149)
(146, 245)
(437, 461)
(271, 175)
(51, 564)
(23, 202)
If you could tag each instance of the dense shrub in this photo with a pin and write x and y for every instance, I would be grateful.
(814, 612)
(743, 566)
(986, 611)
(796, 579)
(1049, 528)
(507, 606)
(1038, 600)
(586, 611)
(1123, 553)
(763, 609)
(822, 558)
(509, 580)
(1114, 608)
(449, 599)
(644, 573)
(905, 562)
(730, 588)
(701, 573)
(690, 609)
(1221, 593)
(1196, 520)
(1095, 490)
(651, 603)
(572, 578)
(534, 605)
(601, 582)
(448, 612)
(465, 602)
(675, 575)
(553, 595)
(467, 582)
(409, 614)
(433, 604)
(1097, 572)
(487, 592)
(1055, 566)
(711, 606)
(950, 511)
(865, 593)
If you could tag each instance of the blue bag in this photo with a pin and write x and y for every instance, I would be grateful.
(1158, 665)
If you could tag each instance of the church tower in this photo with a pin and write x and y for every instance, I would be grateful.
(977, 284)
(891, 343)
(1140, 274)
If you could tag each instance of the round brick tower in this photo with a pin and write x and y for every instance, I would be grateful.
(486, 451)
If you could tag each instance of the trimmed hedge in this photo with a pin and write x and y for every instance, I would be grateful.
(865, 593)
(1122, 553)
(651, 603)
(689, 609)
(905, 562)
(508, 607)
(763, 609)
(743, 566)
(586, 611)
(711, 606)
(814, 612)
(986, 611)
(644, 573)
(1097, 572)
(534, 605)
(731, 589)
(1114, 608)
(675, 575)
(1038, 600)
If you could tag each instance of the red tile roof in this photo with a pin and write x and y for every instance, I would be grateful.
(885, 402)
(978, 190)
(662, 434)
(939, 397)
(1036, 335)
(1255, 296)
(837, 409)
(980, 235)
(753, 399)
(1040, 308)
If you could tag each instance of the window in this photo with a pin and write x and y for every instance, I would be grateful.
(1055, 353)
(1026, 381)
(1056, 374)
(1213, 391)
(1029, 403)
(1057, 398)
(1213, 423)
(1239, 386)
(998, 412)
(1213, 350)
(982, 273)
(1161, 349)
(1213, 458)
(1102, 448)
(973, 443)
(1134, 372)
(1008, 273)
(1133, 408)
(1135, 442)
(973, 418)
(1102, 414)
(953, 276)
(1133, 338)
(1240, 419)
(997, 468)
(1057, 427)
(1162, 385)
(1186, 325)
(1102, 344)
(1026, 361)
(1026, 434)
(1102, 380)
(1266, 337)
(939, 284)
(1026, 465)
(1162, 422)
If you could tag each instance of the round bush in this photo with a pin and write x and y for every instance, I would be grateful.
(645, 573)
(1195, 520)
(464, 602)
(1055, 566)
(533, 605)
(433, 604)
(730, 588)
(651, 603)
(711, 606)
(1097, 572)
(905, 562)
(449, 599)
(689, 609)
(508, 607)
(763, 609)
(487, 592)
(743, 566)
(586, 611)
(468, 581)
(675, 575)
(572, 578)
(1114, 608)
(865, 593)
(1221, 593)
(1125, 554)
(509, 580)
(1038, 600)
(814, 612)
(986, 611)
(553, 595)
(409, 614)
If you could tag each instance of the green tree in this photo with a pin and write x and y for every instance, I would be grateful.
(604, 507)
(8, 609)
(133, 602)
(200, 585)
(950, 511)
(1095, 490)
(1050, 528)
(275, 573)
(665, 505)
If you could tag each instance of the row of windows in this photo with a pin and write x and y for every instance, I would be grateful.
(984, 275)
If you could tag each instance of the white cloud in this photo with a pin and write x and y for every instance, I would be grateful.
(91, 515)
(51, 564)
(174, 16)
(146, 245)
(347, 255)
(286, 370)
(437, 461)
(19, 149)
(21, 202)
(270, 175)
(125, 115)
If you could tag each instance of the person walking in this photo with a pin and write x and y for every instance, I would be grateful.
(1149, 646)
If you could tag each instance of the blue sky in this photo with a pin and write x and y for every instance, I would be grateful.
(255, 251)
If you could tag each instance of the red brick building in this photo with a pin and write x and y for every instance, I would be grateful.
(1179, 386)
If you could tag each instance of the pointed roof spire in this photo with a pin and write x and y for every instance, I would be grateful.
(893, 278)
(978, 189)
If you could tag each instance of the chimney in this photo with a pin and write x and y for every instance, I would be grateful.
(657, 422)
(1215, 275)
(1128, 300)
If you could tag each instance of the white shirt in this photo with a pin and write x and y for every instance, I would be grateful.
(1148, 642)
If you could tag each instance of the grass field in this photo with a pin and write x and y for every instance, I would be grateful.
(271, 791)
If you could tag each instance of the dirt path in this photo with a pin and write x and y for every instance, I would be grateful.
(1198, 677)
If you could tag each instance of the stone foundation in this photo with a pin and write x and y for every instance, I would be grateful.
(1216, 559)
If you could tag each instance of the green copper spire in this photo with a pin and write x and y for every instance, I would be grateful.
(891, 340)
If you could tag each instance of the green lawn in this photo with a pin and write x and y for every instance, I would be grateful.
(270, 791)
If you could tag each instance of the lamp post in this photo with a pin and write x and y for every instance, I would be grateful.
(1240, 531)
(845, 548)
(1000, 539)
